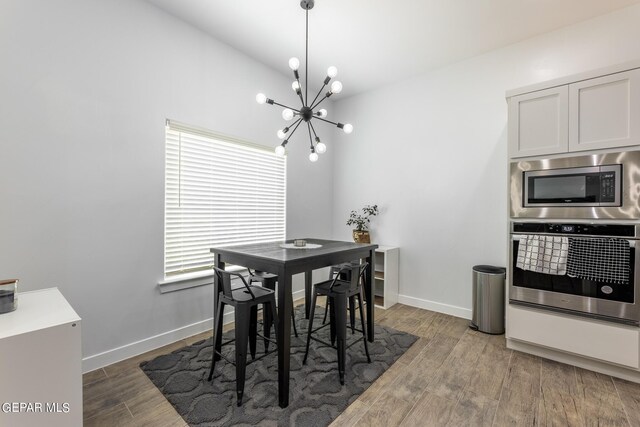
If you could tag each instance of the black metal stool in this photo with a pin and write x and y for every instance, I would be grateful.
(346, 275)
(269, 281)
(338, 292)
(245, 301)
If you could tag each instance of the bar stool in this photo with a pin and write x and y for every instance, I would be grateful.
(335, 269)
(338, 291)
(245, 301)
(269, 281)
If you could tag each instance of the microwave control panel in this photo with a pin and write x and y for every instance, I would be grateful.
(607, 187)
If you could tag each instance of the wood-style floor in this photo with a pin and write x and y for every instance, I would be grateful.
(452, 376)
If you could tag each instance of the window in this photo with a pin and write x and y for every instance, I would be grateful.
(218, 191)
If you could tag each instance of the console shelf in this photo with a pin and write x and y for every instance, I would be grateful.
(386, 276)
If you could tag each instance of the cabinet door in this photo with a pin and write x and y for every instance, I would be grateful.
(539, 123)
(43, 366)
(615, 343)
(605, 112)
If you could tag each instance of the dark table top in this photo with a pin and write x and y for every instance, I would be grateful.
(273, 252)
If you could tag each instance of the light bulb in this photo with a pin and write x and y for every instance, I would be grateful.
(281, 134)
(336, 87)
(261, 98)
(294, 63)
(332, 71)
(321, 148)
(295, 86)
(322, 113)
(348, 128)
(279, 151)
(313, 156)
(287, 114)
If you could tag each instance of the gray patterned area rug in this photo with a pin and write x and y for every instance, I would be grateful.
(316, 396)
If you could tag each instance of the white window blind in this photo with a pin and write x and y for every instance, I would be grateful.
(218, 192)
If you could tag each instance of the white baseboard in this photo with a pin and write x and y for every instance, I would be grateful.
(451, 310)
(118, 354)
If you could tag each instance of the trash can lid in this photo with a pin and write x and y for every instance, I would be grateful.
(489, 269)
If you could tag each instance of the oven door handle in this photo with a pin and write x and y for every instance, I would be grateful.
(514, 237)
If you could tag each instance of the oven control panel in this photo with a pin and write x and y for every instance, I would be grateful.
(567, 228)
(622, 230)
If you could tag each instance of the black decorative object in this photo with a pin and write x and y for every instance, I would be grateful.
(8, 297)
(308, 111)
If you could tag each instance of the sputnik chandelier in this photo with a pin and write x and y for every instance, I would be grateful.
(309, 110)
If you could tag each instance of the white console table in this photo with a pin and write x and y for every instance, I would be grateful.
(40, 362)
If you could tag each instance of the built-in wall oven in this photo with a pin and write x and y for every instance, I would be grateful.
(585, 269)
(574, 231)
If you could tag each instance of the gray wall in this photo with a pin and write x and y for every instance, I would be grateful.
(432, 152)
(86, 86)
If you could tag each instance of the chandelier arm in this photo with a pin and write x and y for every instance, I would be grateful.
(294, 129)
(313, 129)
(328, 121)
(310, 138)
(286, 106)
(319, 102)
(319, 92)
(299, 92)
(296, 123)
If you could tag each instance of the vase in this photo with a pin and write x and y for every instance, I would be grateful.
(8, 297)
(361, 236)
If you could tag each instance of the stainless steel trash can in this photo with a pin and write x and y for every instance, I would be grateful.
(488, 299)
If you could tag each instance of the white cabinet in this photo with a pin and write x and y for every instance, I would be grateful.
(539, 122)
(40, 362)
(386, 276)
(605, 341)
(605, 112)
(587, 112)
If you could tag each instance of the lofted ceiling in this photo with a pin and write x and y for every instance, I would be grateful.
(374, 42)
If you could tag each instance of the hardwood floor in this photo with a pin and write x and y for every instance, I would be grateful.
(452, 376)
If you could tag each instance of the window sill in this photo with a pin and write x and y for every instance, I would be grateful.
(191, 280)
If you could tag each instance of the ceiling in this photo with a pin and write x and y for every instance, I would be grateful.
(374, 42)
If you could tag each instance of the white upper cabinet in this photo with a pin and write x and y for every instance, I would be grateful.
(539, 122)
(594, 110)
(605, 112)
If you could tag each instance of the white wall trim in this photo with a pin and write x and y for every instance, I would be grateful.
(440, 307)
(136, 348)
(118, 354)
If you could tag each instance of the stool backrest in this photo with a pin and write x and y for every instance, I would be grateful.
(224, 278)
(357, 274)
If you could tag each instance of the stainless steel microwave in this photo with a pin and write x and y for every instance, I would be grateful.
(587, 186)
(595, 186)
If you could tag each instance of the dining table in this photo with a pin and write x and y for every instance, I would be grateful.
(285, 259)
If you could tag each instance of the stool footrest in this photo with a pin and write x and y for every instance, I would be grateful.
(333, 346)
(250, 361)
